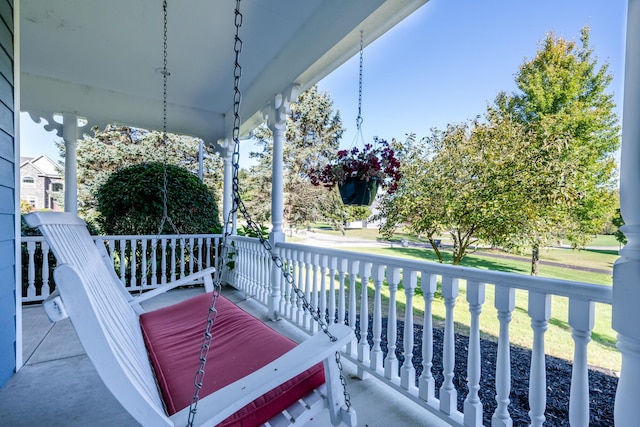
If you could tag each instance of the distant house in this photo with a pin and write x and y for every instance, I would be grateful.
(41, 184)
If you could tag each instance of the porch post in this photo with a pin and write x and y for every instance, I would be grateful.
(70, 135)
(626, 271)
(277, 175)
(227, 192)
(277, 120)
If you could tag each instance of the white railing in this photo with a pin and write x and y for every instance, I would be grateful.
(154, 260)
(331, 280)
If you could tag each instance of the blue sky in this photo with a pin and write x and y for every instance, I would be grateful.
(445, 62)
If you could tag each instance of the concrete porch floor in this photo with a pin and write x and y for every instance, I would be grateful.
(58, 386)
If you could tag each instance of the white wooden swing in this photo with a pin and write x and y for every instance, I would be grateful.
(107, 320)
(259, 377)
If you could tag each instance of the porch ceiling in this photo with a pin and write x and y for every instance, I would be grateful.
(100, 58)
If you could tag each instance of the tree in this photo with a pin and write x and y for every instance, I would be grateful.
(117, 147)
(539, 166)
(312, 136)
(562, 97)
(450, 183)
(130, 201)
(618, 222)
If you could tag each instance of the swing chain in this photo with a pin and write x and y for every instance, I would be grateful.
(238, 205)
(217, 284)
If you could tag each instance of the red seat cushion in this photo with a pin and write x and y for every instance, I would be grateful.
(241, 344)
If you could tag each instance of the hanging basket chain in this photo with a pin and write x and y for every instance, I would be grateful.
(238, 205)
(166, 219)
(359, 119)
(165, 139)
(359, 138)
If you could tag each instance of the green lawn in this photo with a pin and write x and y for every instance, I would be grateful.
(602, 350)
(593, 257)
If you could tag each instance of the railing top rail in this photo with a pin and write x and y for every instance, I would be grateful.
(131, 237)
(565, 288)
(156, 236)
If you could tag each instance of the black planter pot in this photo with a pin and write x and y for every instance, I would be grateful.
(358, 192)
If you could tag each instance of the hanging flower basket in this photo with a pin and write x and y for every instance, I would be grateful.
(358, 192)
(358, 173)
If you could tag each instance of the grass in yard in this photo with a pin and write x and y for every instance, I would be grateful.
(593, 257)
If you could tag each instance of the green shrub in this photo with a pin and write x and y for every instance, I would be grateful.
(131, 201)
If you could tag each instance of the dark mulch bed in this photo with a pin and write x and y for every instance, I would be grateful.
(602, 385)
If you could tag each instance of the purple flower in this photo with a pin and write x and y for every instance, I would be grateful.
(377, 163)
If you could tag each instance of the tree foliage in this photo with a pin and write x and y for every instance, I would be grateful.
(458, 181)
(117, 147)
(562, 97)
(618, 222)
(130, 201)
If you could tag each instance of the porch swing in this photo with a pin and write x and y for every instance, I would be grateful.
(148, 360)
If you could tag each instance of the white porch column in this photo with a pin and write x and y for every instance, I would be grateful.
(626, 271)
(277, 175)
(227, 192)
(277, 120)
(70, 135)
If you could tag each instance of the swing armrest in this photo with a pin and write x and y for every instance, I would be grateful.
(217, 406)
(190, 279)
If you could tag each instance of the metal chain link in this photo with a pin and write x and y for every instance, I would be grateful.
(238, 205)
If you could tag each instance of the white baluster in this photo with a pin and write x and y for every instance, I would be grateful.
(275, 285)
(376, 351)
(299, 285)
(112, 248)
(353, 273)
(314, 291)
(391, 361)
(426, 382)
(272, 288)
(200, 242)
(324, 266)
(31, 270)
(539, 311)
(133, 282)
(163, 264)
(154, 262)
(448, 393)
(408, 371)
(191, 256)
(363, 344)
(173, 259)
(307, 289)
(342, 268)
(46, 286)
(123, 264)
(209, 261)
(581, 317)
(143, 275)
(333, 267)
(505, 303)
(472, 404)
(286, 292)
(181, 245)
